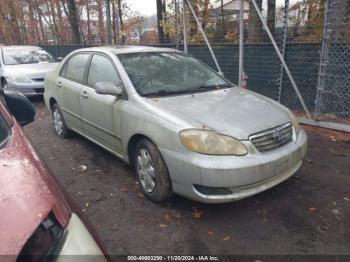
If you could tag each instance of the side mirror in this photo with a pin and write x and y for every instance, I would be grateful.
(108, 88)
(59, 59)
(20, 106)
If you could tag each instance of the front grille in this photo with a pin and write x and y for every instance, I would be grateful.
(41, 79)
(272, 138)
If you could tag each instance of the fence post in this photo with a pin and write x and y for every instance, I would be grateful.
(241, 70)
(323, 61)
(184, 25)
(283, 48)
(177, 23)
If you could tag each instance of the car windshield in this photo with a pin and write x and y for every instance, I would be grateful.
(166, 73)
(4, 132)
(16, 56)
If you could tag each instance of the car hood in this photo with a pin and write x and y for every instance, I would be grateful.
(25, 197)
(31, 70)
(235, 111)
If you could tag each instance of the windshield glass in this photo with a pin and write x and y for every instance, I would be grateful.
(4, 132)
(16, 56)
(169, 73)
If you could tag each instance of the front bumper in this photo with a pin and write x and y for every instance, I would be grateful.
(79, 242)
(244, 176)
(28, 89)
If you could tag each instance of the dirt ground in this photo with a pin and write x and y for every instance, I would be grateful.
(307, 214)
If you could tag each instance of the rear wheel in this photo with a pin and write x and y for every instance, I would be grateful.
(59, 123)
(152, 172)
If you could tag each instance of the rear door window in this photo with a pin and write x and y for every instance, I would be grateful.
(75, 69)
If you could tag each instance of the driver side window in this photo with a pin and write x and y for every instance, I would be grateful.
(102, 70)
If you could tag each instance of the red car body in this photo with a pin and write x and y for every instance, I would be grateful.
(28, 192)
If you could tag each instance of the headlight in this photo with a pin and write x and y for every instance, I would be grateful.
(211, 143)
(18, 79)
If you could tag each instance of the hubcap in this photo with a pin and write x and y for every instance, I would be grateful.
(146, 170)
(57, 121)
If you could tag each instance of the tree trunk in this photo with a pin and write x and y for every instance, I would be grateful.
(114, 19)
(205, 14)
(271, 15)
(101, 28)
(73, 21)
(255, 27)
(222, 19)
(160, 21)
(14, 24)
(193, 23)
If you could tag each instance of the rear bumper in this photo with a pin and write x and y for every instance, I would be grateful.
(79, 242)
(28, 89)
(243, 176)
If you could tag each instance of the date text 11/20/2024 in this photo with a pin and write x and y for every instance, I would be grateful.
(173, 258)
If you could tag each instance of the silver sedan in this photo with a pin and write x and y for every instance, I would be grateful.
(24, 67)
(185, 128)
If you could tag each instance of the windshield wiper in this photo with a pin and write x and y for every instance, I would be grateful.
(163, 92)
(210, 87)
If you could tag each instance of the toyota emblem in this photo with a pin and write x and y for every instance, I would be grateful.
(278, 136)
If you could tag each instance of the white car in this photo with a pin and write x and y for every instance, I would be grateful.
(24, 67)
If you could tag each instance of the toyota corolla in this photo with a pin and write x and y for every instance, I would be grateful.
(185, 128)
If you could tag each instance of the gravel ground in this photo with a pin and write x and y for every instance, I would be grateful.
(307, 214)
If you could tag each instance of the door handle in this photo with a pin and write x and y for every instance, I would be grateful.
(84, 94)
(59, 84)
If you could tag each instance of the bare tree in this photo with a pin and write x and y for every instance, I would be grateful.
(255, 27)
(271, 15)
(160, 9)
(71, 13)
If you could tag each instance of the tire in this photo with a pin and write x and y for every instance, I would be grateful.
(162, 188)
(3, 84)
(59, 123)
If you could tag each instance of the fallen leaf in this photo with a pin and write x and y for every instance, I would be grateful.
(258, 260)
(346, 199)
(82, 168)
(312, 209)
(196, 213)
(162, 225)
(87, 204)
(123, 189)
(333, 138)
(210, 233)
(226, 238)
(140, 195)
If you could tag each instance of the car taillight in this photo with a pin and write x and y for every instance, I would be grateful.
(44, 242)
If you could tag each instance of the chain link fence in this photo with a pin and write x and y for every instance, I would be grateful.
(313, 37)
(333, 98)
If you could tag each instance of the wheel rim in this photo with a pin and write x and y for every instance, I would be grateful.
(146, 170)
(57, 121)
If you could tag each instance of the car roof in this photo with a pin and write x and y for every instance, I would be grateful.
(129, 49)
(20, 47)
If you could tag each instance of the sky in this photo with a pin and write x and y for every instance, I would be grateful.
(148, 7)
(145, 7)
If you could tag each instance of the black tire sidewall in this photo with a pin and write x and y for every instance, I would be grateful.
(163, 187)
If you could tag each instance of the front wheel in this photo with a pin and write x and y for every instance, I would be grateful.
(4, 84)
(152, 172)
(59, 123)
